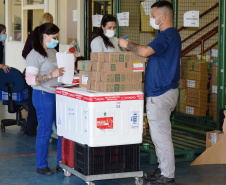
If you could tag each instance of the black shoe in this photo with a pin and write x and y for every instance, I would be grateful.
(45, 171)
(162, 181)
(59, 169)
(153, 176)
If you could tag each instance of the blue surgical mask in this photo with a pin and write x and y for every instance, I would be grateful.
(52, 44)
(3, 37)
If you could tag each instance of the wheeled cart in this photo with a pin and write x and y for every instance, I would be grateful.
(90, 178)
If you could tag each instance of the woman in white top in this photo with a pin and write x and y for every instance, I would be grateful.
(105, 41)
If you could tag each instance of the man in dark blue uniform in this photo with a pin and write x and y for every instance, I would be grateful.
(161, 86)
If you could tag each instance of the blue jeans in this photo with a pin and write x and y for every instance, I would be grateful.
(45, 105)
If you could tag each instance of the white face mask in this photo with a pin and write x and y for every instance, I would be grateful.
(153, 24)
(110, 33)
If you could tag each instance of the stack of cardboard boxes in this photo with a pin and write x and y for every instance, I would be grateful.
(195, 88)
(214, 90)
(112, 72)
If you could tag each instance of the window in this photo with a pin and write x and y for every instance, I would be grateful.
(32, 12)
(33, 2)
(15, 20)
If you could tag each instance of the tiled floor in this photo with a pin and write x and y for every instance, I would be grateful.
(17, 164)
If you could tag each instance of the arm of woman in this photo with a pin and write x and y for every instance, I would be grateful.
(97, 45)
(32, 77)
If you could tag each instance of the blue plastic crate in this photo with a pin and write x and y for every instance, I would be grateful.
(20, 96)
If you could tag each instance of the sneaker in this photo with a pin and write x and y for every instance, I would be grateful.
(45, 171)
(162, 181)
(153, 176)
(59, 169)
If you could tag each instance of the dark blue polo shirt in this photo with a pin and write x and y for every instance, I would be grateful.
(163, 67)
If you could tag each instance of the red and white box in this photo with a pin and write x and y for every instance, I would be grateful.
(99, 119)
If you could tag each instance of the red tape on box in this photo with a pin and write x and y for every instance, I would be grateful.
(100, 98)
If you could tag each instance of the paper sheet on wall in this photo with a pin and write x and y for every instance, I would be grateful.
(147, 6)
(191, 19)
(68, 62)
(123, 18)
(97, 20)
(75, 15)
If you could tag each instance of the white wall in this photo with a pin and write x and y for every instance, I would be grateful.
(2, 13)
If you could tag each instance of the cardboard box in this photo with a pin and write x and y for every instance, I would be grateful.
(214, 98)
(203, 102)
(117, 57)
(197, 84)
(120, 77)
(214, 80)
(213, 137)
(182, 93)
(120, 87)
(195, 65)
(113, 67)
(95, 76)
(84, 77)
(197, 111)
(84, 65)
(198, 93)
(182, 83)
(96, 66)
(181, 105)
(215, 70)
(195, 75)
(88, 86)
(95, 86)
(136, 58)
(97, 56)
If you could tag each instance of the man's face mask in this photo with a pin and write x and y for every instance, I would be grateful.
(153, 24)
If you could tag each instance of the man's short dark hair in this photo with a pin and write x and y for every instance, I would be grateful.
(161, 4)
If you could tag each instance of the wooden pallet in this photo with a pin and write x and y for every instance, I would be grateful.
(186, 148)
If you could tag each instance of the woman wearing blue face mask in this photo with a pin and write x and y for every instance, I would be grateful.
(3, 37)
(106, 40)
(41, 74)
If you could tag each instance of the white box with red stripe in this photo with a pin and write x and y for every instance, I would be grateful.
(99, 119)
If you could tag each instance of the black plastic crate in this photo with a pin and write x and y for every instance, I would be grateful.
(104, 160)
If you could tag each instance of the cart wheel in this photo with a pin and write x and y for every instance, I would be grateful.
(139, 181)
(90, 183)
(2, 128)
(67, 173)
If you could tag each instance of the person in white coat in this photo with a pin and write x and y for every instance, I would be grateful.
(105, 41)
